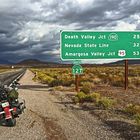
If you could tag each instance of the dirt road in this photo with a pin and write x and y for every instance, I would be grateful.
(47, 117)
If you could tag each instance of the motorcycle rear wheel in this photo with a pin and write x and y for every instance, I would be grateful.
(11, 122)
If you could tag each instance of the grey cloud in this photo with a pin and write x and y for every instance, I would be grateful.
(17, 36)
(138, 27)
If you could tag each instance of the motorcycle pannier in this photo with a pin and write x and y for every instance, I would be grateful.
(13, 94)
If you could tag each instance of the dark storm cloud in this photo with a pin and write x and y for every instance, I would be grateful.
(30, 28)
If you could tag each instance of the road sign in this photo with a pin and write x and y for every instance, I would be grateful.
(77, 70)
(80, 45)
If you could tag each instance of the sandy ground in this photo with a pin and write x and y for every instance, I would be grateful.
(48, 118)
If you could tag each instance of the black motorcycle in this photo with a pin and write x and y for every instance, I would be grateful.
(10, 105)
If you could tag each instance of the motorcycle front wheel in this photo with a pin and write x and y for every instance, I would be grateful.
(11, 122)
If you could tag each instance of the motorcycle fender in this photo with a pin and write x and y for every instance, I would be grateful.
(8, 114)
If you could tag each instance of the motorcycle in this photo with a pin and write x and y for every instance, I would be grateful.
(10, 105)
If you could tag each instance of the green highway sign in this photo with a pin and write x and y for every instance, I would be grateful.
(80, 45)
(77, 69)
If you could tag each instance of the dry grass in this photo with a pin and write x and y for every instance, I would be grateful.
(113, 76)
(107, 81)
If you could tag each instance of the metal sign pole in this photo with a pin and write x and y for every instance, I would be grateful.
(77, 83)
(126, 74)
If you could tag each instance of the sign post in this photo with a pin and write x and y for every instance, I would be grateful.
(77, 70)
(126, 74)
(77, 83)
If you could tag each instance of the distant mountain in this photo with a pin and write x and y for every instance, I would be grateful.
(131, 62)
(35, 62)
(30, 62)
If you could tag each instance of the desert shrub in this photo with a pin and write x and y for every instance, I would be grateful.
(55, 82)
(130, 82)
(106, 102)
(132, 109)
(91, 75)
(117, 81)
(75, 99)
(72, 85)
(34, 79)
(135, 111)
(87, 98)
(53, 77)
(63, 80)
(59, 88)
(96, 80)
(134, 72)
(67, 83)
(43, 78)
(81, 96)
(66, 79)
(137, 119)
(136, 81)
(103, 77)
(96, 75)
(46, 79)
(95, 97)
(86, 88)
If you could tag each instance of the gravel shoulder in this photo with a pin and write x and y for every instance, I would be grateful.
(48, 117)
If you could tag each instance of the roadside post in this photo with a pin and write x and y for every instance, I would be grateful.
(126, 74)
(77, 83)
(94, 45)
(76, 71)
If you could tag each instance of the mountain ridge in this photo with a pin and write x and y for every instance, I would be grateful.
(34, 62)
(131, 62)
(37, 62)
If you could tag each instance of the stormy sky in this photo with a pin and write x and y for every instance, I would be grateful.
(31, 28)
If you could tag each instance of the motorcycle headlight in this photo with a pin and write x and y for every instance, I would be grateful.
(16, 88)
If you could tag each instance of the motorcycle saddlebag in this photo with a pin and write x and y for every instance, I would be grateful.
(13, 94)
